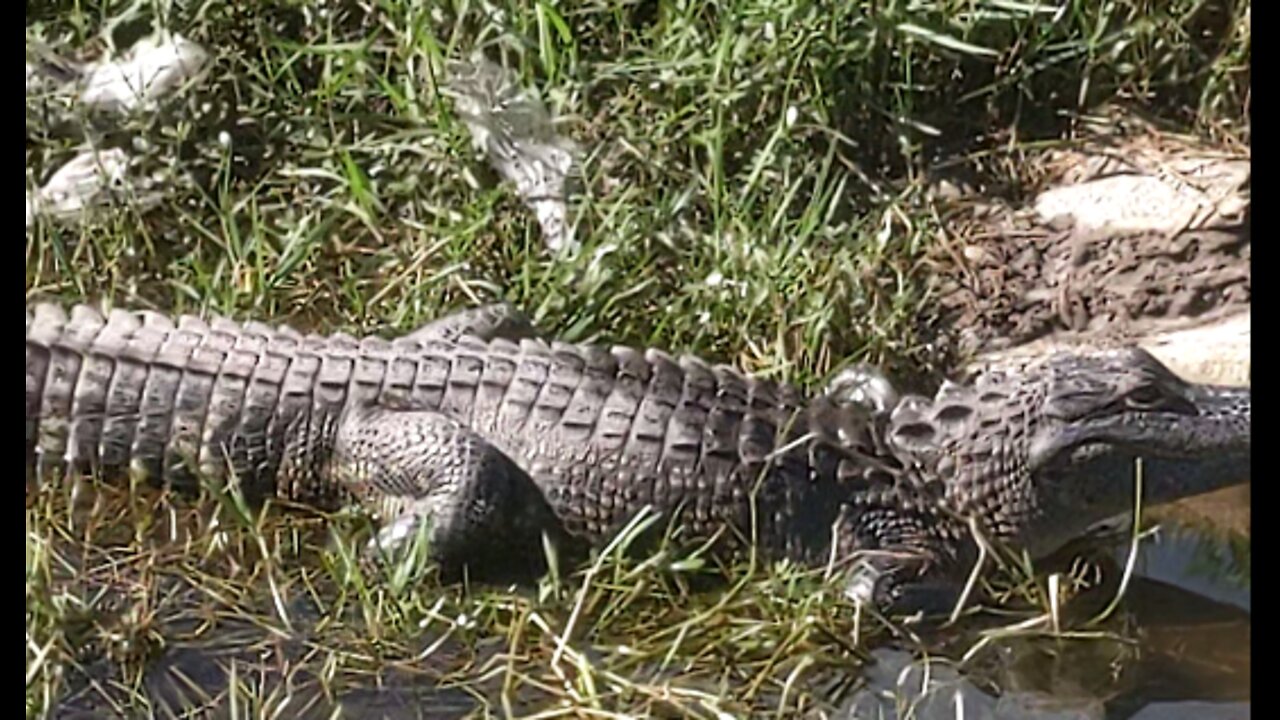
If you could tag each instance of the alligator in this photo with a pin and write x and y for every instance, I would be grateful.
(496, 443)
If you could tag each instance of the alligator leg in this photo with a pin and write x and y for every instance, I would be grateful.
(496, 320)
(482, 512)
(901, 565)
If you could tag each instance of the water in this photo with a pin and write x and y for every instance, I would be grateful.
(1182, 649)
(1188, 655)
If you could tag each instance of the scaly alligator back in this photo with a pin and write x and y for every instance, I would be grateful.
(602, 432)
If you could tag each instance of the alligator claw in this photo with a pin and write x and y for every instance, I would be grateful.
(391, 537)
(893, 592)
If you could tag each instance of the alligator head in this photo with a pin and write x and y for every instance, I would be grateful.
(1040, 454)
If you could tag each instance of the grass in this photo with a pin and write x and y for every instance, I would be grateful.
(627, 635)
(754, 190)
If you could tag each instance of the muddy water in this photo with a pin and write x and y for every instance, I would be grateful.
(1184, 651)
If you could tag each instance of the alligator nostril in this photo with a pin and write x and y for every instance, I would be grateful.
(954, 413)
(915, 431)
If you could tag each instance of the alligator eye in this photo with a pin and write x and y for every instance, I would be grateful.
(1146, 396)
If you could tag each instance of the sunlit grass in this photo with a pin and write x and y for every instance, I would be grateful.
(753, 191)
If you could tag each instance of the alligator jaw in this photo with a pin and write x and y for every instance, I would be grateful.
(1182, 454)
(1190, 452)
(1205, 452)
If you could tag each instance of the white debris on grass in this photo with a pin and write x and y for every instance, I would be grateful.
(154, 67)
(92, 179)
(149, 70)
(513, 128)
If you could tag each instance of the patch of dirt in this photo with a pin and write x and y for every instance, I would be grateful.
(1217, 352)
(1125, 236)
(1016, 285)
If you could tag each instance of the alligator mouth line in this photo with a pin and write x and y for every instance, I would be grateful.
(1139, 452)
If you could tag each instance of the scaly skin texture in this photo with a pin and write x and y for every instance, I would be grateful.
(498, 442)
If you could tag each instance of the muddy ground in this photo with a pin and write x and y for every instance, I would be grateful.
(1126, 243)
(1029, 281)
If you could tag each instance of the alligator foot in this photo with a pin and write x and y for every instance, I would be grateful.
(497, 320)
(905, 562)
(482, 513)
(898, 590)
